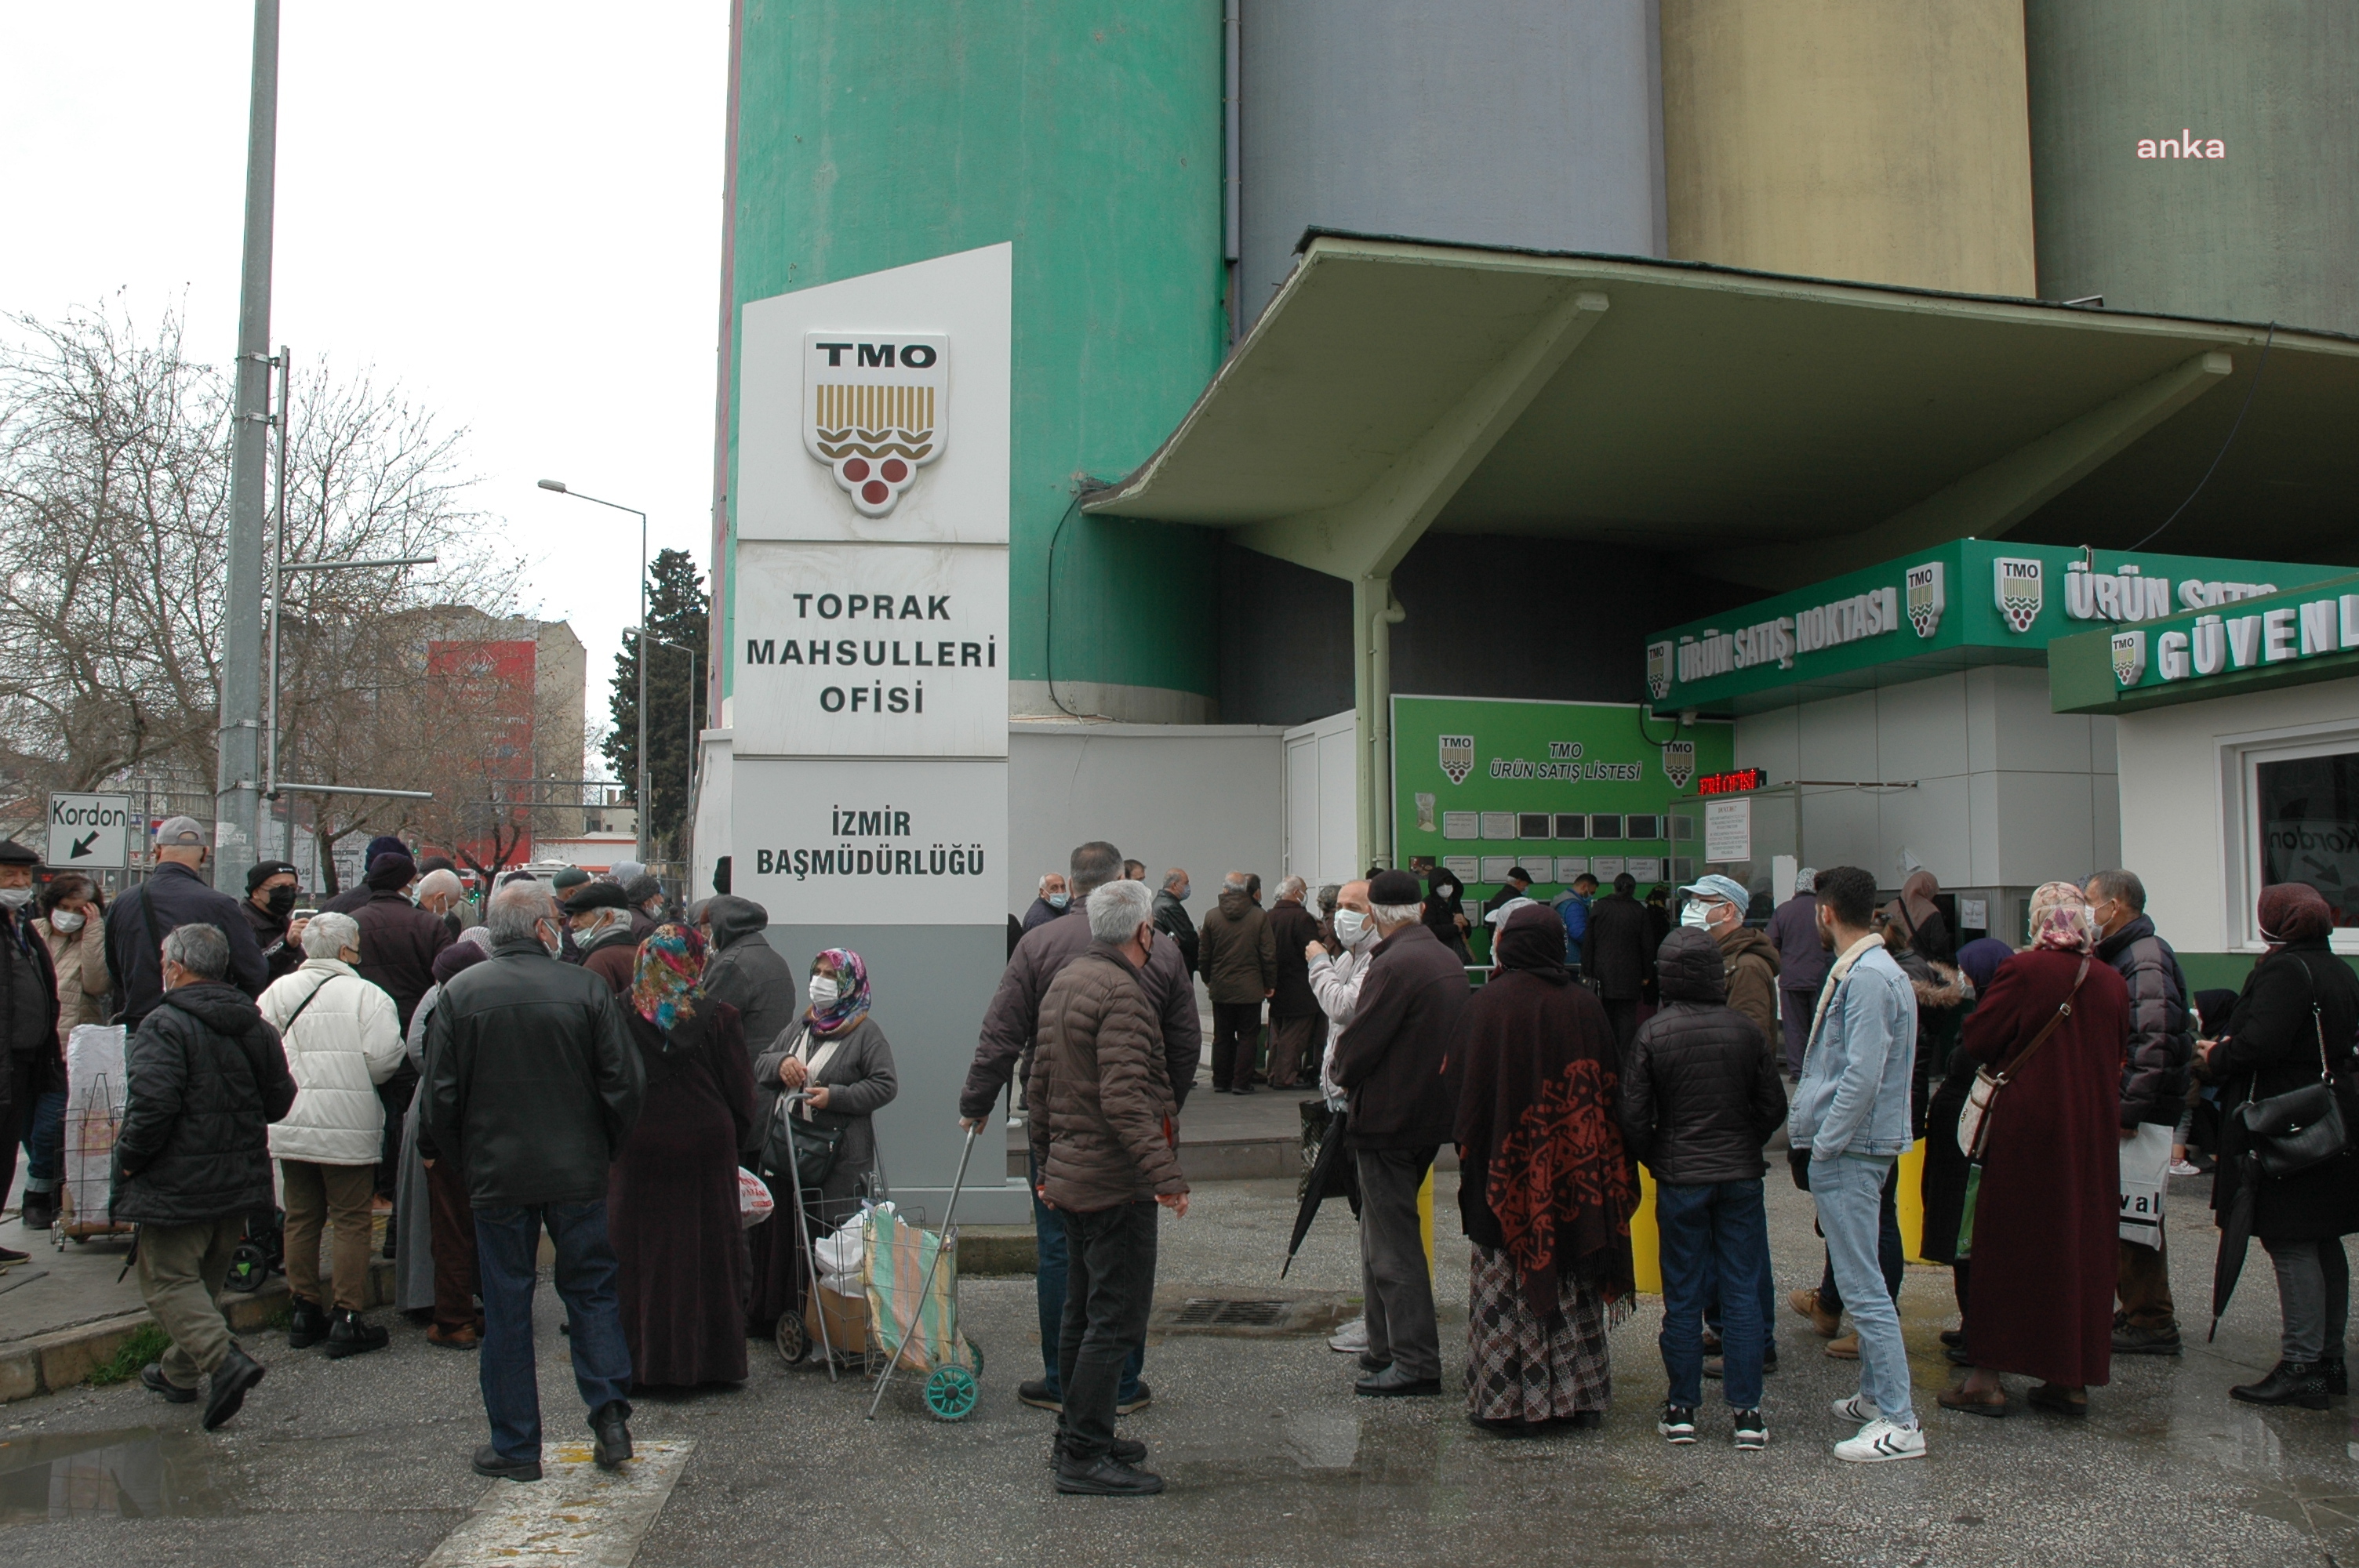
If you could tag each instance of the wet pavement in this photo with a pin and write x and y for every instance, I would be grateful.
(1270, 1458)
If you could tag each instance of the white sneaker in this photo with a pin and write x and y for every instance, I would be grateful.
(1859, 1409)
(1881, 1440)
(2184, 1168)
(1349, 1339)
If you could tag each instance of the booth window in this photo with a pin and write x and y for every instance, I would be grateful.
(2307, 817)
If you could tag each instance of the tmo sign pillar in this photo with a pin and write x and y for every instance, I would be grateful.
(868, 634)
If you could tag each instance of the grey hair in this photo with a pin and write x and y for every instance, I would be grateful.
(1396, 913)
(201, 949)
(1042, 887)
(1232, 881)
(1173, 876)
(1118, 909)
(517, 910)
(2123, 885)
(329, 934)
(433, 882)
(1293, 887)
(1328, 894)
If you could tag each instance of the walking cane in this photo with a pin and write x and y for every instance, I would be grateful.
(950, 1214)
(802, 1229)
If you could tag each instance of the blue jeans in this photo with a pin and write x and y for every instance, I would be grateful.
(1850, 1193)
(1050, 1280)
(1888, 1248)
(505, 1242)
(1715, 1230)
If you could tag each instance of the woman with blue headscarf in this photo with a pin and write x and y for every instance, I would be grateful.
(671, 1201)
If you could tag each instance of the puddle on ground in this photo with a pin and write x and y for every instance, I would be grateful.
(139, 1472)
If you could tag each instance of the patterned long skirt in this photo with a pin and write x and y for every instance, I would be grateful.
(1520, 1366)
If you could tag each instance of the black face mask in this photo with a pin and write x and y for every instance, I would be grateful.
(281, 902)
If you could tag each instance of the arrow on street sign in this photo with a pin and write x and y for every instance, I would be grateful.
(82, 846)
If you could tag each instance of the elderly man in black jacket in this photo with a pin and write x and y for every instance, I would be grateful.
(532, 1085)
(172, 896)
(1699, 1098)
(206, 1076)
(31, 1064)
(1617, 956)
(1388, 1062)
(2154, 1092)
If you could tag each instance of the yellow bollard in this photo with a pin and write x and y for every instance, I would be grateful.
(1647, 1238)
(1909, 1202)
(1424, 1217)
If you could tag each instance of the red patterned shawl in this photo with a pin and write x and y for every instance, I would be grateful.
(1535, 1067)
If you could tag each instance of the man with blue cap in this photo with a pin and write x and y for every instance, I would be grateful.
(1716, 906)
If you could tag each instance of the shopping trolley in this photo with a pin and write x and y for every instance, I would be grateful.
(915, 1329)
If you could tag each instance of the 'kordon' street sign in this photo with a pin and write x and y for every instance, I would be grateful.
(90, 832)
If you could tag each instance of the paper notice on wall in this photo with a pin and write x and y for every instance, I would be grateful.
(1466, 867)
(1498, 825)
(1605, 868)
(1496, 867)
(1727, 831)
(1974, 914)
(1570, 866)
(1461, 825)
(1647, 868)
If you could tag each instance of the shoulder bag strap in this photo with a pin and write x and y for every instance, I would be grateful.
(287, 1028)
(2063, 1011)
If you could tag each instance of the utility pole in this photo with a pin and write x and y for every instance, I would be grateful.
(237, 789)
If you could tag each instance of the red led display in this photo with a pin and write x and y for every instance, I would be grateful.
(1736, 783)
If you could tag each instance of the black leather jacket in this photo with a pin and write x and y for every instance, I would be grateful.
(207, 1077)
(531, 1081)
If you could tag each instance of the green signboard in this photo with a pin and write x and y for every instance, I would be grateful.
(1958, 605)
(2304, 635)
(1559, 788)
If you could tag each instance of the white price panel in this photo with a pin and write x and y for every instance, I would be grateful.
(871, 843)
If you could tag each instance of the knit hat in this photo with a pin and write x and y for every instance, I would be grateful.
(266, 870)
(384, 844)
(392, 872)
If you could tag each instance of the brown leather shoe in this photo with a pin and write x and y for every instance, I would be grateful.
(460, 1339)
(1825, 1324)
(1844, 1349)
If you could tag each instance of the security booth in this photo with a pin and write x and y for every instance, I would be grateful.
(2237, 727)
(1898, 716)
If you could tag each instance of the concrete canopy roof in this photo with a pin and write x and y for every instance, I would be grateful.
(1772, 428)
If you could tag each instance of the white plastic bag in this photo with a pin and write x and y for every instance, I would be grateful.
(95, 1092)
(842, 1251)
(755, 1203)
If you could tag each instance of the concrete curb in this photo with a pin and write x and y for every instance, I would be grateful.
(53, 1362)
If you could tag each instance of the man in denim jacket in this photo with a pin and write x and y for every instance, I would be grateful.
(1851, 1112)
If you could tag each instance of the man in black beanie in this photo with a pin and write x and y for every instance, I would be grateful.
(399, 943)
(270, 889)
(1388, 1063)
(349, 902)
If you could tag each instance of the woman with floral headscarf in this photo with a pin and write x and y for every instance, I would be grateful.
(836, 1052)
(2275, 1043)
(2040, 1279)
(671, 1203)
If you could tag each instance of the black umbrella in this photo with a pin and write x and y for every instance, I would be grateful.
(2236, 1237)
(1329, 1175)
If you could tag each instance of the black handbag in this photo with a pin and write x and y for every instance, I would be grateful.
(809, 1146)
(2302, 1129)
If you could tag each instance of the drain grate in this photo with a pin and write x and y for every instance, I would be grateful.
(1219, 1311)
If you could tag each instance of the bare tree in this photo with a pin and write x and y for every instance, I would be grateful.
(114, 535)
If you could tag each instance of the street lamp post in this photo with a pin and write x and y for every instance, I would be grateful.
(639, 785)
(687, 800)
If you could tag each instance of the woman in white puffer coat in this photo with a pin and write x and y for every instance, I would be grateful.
(342, 1038)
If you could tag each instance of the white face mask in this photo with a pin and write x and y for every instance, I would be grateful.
(824, 991)
(556, 944)
(1352, 927)
(65, 921)
(1697, 913)
(16, 898)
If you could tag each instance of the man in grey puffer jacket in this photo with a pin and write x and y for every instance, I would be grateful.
(1699, 1098)
(2153, 1090)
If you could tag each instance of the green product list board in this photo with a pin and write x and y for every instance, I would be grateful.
(1559, 788)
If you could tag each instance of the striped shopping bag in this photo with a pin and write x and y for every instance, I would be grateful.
(920, 1329)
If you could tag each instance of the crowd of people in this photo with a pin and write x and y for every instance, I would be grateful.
(575, 1057)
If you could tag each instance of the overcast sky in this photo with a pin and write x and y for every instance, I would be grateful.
(512, 207)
